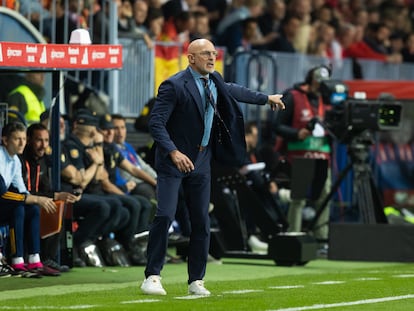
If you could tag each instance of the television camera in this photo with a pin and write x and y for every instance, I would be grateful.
(350, 117)
(353, 122)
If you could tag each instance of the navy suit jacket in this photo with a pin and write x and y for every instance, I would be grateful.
(176, 121)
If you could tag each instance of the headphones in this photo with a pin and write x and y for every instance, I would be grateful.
(318, 73)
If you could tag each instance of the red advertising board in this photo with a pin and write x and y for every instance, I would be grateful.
(60, 56)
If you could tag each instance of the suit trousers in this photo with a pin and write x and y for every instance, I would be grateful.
(196, 187)
(24, 222)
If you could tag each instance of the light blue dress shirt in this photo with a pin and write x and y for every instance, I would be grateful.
(209, 112)
(11, 170)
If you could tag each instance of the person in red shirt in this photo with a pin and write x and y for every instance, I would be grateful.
(373, 46)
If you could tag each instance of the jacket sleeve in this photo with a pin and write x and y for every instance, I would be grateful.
(160, 114)
(245, 95)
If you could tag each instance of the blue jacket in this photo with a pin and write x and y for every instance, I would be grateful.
(176, 121)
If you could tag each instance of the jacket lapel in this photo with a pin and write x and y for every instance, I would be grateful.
(191, 87)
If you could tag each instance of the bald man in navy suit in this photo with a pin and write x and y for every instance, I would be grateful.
(195, 118)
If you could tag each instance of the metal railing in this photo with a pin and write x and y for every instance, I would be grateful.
(130, 88)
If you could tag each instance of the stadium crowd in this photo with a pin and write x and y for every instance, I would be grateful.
(375, 29)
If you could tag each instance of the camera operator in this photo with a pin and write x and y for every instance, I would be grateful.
(303, 136)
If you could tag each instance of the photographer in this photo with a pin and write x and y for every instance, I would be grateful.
(304, 137)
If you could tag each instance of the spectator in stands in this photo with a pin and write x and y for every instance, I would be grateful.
(140, 14)
(173, 8)
(33, 11)
(126, 22)
(36, 169)
(155, 24)
(408, 50)
(216, 10)
(272, 19)
(27, 98)
(396, 43)
(178, 28)
(288, 32)
(326, 34)
(304, 105)
(347, 34)
(20, 209)
(230, 31)
(252, 37)
(373, 46)
(325, 15)
(302, 10)
(201, 27)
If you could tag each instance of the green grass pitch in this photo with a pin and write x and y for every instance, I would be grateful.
(236, 284)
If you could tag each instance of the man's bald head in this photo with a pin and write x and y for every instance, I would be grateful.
(200, 45)
(202, 56)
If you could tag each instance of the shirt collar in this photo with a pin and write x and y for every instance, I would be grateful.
(9, 157)
(196, 75)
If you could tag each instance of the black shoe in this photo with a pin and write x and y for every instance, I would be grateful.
(175, 239)
(138, 255)
(6, 270)
(54, 265)
(46, 271)
(113, 253)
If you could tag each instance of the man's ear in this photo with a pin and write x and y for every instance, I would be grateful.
(191, 59)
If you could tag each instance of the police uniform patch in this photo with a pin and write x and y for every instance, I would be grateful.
(48, 150)
(145, 111)
(63, 158)
(108, 118)
(74, 153)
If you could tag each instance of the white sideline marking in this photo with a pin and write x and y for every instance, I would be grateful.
(287, 287)
(329, 282)
(243, 291)
(343, 304)
(191, 297)
(80, 307)
(404, 276)
(368, 279)
(140, 301)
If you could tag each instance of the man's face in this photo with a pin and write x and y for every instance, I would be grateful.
(120, 131)
(39, 143)
(252, 138)
(108, 135)
(202, 56)
(15, 143)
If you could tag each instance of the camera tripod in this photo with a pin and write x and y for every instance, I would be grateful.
(365, 193)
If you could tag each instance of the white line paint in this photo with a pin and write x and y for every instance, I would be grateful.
(243, 291)
(79, 307)
(287, 287)
(404, 276)
(367, 279)
(329, 282)
(140, 301)
(190, 297)
(349, 303)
